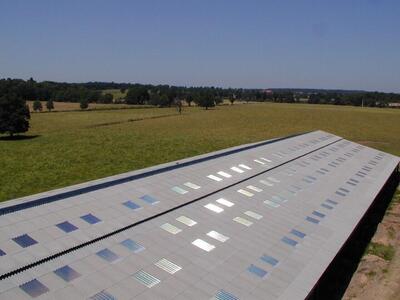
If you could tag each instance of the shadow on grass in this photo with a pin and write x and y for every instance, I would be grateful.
(334, 282)
(18, 137)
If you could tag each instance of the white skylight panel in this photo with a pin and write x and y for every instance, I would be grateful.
(253, 215)
(225, 202)
(218, 236)
(272, 204)
(170, 228)
(179, 190)
(203, 245)
(267, 183)
(224, 174)
(168, 266)
(237, 170)
(273, 179)
(245, 166)
(187, 221)
(243, 221)
(254, 188)
(214, 208)
(266, 159)
(259, 161)
(146, 278)
(213, 177)
(246, 193)
(192, 185)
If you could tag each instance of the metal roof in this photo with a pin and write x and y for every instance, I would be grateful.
(258, 221)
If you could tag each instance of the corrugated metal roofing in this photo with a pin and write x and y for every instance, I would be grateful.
(259, 221)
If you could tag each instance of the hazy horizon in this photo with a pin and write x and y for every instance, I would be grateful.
(252, 44)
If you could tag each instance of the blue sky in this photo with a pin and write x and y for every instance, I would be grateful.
(253, 44)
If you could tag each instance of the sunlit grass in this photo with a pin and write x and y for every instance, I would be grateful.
(74, 147)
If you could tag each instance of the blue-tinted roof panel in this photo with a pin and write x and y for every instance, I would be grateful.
(269, 260)
(223, 295)
(289, 241)
(91, 219)
(131, 205)
(149, 199)
(24, 240)
(67, 273)
(34, 288)
(108, 255)
(67, 226)
(298, 233)
(2, 252)
(257, 271)
(132, 245)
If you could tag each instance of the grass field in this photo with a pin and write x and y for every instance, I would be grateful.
(73, 147)
(68, 106)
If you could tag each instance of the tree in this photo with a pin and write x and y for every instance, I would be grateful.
(189, 99)
(232, 98)
(84, 104)
(205, 99)
(49, 105)
(37, 105)
(14, 114)
(107, 98)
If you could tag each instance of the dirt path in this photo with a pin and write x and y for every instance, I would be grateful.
(378, 274)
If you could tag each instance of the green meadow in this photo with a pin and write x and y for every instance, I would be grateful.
(65, 148)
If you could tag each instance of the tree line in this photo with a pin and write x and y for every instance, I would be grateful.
(166, 95)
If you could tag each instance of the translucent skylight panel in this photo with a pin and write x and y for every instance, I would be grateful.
(67, 273)
(259, 161)
(340, 193)
(266, 159)
(203, 245)
(146, 278)
(168, 266)
(223, 295)
(213, 177)
(91, 219)
(243, 221)
(245, 166)
(267, 183)
(170, 228)
(187, 221)
(179, 190)
(257, 271)
(24, 240)
(132, 245)
(103, 295)
(272, 204)
(312, 220)
(254, 188)
(318, 214)
(237, 170)
(269, 260)
(107, 255)
(34, 288)
(218, 236)
(273, 179)
(331, 201)
(225, 202)
(246, 193)
(224, 174)
(149, 199)
(278, 199)
(298, 233)
(289, 241)
(214, 208)
(326, 206)
(67, 226)
(192, 185)
(131, 205)
(253, 215)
